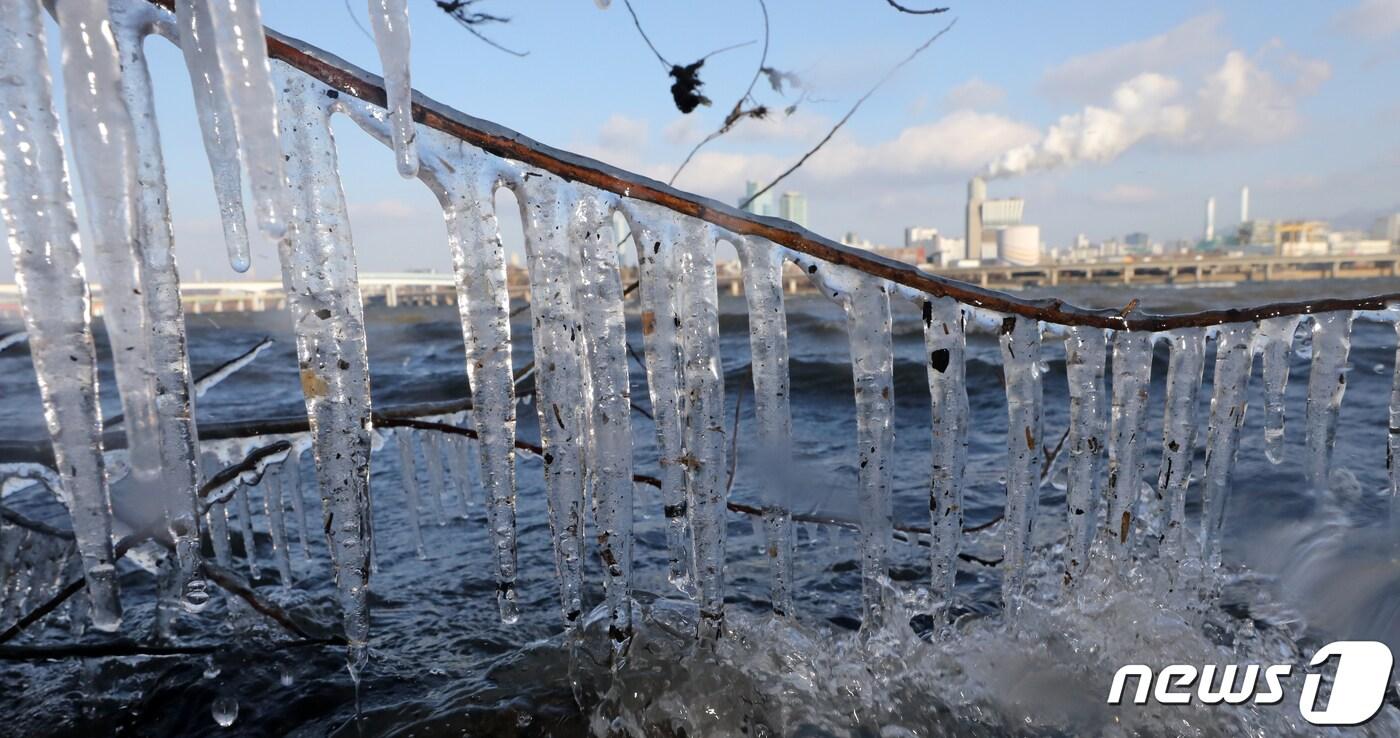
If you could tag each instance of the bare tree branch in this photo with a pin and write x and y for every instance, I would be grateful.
(460, 10)
(912, 11)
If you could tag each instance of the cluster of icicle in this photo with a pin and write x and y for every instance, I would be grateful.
(274, 121)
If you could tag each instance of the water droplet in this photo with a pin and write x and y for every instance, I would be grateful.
(523, 720)
(225, 711)
(285, 676)
(1379, 368)
(196, 595)
(211, 671)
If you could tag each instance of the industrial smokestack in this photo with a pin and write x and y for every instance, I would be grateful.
(1210, 219)
(976, 193)
(1244, 204)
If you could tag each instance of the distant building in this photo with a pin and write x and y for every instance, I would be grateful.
(1019, 244)
(908, 255)
(1138, 242)
(1301, 238)
(919, 235)
(763, 204)
(793, 206)
(1387, 228)
(947, 250)
(1254, 232)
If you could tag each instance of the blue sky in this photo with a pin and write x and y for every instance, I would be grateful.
(1139, 111)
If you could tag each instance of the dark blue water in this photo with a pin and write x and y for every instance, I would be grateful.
(442, 664)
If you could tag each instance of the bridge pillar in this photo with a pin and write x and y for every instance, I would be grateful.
(984, 279)
(1054, 276)
(391, 296)
(1127, 274)
(734, 287)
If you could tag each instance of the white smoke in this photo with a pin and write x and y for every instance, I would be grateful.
(1142, 108)
(1247, 99)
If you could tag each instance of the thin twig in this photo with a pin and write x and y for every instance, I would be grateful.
(14, 517)
(351, 12)
(734, 439)
(912, 11)
(664, 64)
(133, 648)
(848, 115)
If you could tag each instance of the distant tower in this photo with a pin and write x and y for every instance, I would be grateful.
(976, 193)
(1244, 204)
(793, 206)
(1210, 219)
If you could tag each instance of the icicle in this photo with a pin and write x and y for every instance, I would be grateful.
(389, 18)
(245, 525)
(235, 40)
(1275, 337)
(872, 362)
(169, 357)
(763, 290)
(1184, 373)
(437, 482)
(218, 535)
(1085, 352)
(43, 235)
(408, 470)
(945, 343)
(275, 508)
(546, 206)
(459, 470)
(216, 124)
(1234, 362)
(1132, 376)
(1020, 353)
(319, 274)
(598, 288)
(658, 254)
(1392, 449)
(705, 443)
(293, 486)
(1327, 382)
(466, 189)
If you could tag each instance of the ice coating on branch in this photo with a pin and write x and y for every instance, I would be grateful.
(1392, 448)
(392, 37)
(1020, 355)
(321, 282)
(657, 236)
(1184, 373)
(547, 207)
(216, 125)
(437, 481)
(598, 292)
(706, 450)
(408, 471)
(43, 237)
(1327, 382)
(1085, 352)
(464, 180)
(1275, 339)
(235, 40)
(945, 343)
(275, 509)
(1132, 376)
(768, 350)
(1234, 360)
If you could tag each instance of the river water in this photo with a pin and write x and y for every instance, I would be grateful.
(1303, 569)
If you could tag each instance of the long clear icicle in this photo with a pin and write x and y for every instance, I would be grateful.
(172, 391)
(275, 508)
(872, 363)
(322, 287)
(546, 206)
(437, 482)
(236, 42)
(1392, 448)
(1234, 361)
(1020, 355)
(293, 489)
(245, 527)
(768, 350)
(658, 254)
(392, 37)
(945, 342)
(216, 125)
(1085, 353)
(1275, 338)
(705, 444)
(1132, 376)
(1327, 382)
(1184, 373)
(408, 471)
(43, 235)
(598, 290)
(465, 181)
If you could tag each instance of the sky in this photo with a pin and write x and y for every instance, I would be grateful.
(1107, 118)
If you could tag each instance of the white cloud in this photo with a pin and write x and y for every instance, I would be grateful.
(976, 94)
(1369, 19)
(622, 132)
(1089, 77)
(1127, 194)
